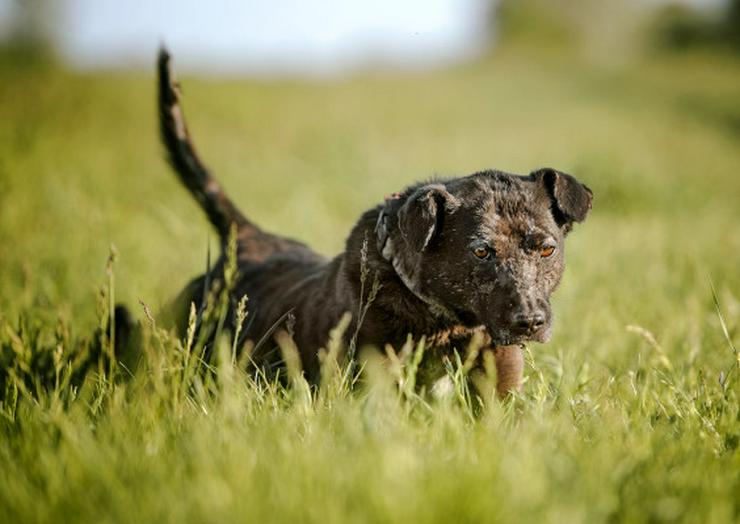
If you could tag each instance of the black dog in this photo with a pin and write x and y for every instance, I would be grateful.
(482, 252)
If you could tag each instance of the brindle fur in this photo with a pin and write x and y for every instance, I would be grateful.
(418, 244)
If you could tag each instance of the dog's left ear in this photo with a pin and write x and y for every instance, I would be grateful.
(570, 200)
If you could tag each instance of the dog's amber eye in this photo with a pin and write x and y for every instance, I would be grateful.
(546, 251)
(481, 252)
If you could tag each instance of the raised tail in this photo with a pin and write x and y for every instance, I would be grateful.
(221, 211)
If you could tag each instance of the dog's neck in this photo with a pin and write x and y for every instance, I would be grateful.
(407, 275)
(410, 282)
(415, 313)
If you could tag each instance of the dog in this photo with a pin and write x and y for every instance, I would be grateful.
(452, 257)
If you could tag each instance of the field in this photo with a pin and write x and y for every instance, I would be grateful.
(630, 413)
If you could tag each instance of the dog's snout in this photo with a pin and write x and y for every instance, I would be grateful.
(529, 322)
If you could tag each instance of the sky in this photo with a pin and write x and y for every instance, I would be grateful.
(267, 37)
(314, 37)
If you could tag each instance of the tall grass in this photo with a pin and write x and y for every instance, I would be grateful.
(629, 414)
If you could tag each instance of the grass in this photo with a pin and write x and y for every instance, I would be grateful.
(629, 414)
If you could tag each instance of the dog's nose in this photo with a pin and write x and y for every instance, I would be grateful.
(528, 322)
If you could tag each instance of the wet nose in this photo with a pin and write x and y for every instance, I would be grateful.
(528, 322)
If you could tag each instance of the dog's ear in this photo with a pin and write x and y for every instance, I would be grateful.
(408, 224)
(570, 200)
(422, 215)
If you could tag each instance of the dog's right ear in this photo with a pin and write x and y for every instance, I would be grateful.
(407, 225)
(421, 216)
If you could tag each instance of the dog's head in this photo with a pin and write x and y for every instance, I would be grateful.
(486, 249)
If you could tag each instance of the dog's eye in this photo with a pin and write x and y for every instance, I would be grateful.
(546, 251)
(481, 252)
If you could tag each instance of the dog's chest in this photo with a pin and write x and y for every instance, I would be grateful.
(458, 336)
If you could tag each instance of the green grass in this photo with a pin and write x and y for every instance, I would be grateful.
(629, 414)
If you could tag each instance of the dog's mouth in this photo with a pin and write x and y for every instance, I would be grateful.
(509, 341)
(507, 337)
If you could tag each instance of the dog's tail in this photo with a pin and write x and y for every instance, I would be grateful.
(181, 153)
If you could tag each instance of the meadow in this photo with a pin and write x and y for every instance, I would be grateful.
(629, 414)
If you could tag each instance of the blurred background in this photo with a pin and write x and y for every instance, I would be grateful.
(311, 112)
(298, 38)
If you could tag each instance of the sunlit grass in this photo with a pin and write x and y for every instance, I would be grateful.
(630, 413)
